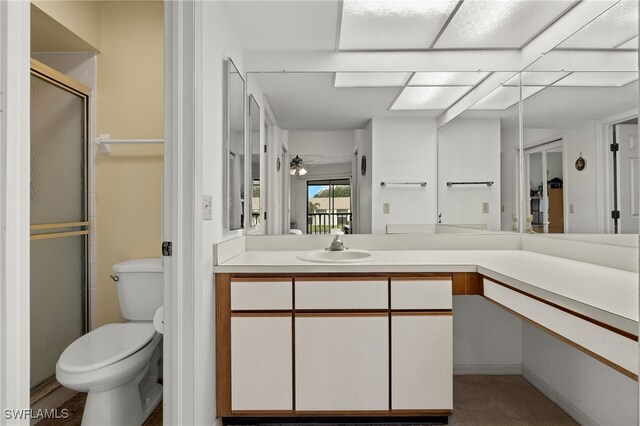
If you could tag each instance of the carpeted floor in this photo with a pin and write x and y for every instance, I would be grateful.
(477, 401)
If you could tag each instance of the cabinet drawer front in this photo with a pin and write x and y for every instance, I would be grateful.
(421, 294)
(261, 295)
(356, 294)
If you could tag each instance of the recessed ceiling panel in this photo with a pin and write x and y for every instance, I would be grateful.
(447, 78)
(598, 79)
(371, 79)
(504, 97)
(423, 98)
(611, 29)
(537, 78)
(392, 24)
(500, 23)
(631, 44)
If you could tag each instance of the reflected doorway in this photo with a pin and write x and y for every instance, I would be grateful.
(329, 206)
(624, 158)
(545, 177)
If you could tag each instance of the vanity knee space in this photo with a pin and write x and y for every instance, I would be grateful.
(363, 344)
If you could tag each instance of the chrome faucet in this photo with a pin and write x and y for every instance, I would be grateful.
(337, 244)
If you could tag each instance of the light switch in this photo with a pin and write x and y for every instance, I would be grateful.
(571, 208)
(485, 207)
(207, 207)
(386, 208)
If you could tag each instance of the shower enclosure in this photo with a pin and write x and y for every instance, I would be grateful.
(59, 218)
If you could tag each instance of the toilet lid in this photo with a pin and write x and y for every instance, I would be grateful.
(104, 346)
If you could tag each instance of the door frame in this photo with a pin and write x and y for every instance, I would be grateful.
(15, 64)
(604, 137)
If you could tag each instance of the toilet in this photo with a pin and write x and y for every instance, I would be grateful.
(118, 364)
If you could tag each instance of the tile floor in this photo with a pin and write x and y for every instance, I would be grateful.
(478, 401)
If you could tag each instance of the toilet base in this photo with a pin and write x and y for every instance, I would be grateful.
(129, 404)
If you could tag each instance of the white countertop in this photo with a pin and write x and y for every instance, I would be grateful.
(606, 294)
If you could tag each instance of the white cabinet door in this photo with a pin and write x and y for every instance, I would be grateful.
(261, 360)
(342, 363)
(421, 362)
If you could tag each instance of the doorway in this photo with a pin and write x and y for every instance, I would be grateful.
(625, 167)
(58, 217)
(545, 177)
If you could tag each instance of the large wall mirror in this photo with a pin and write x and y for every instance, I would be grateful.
(366, 154)
(254, 169)
(580, 131)
(234, 165)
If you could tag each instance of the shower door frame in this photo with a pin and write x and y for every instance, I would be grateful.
(69, 229)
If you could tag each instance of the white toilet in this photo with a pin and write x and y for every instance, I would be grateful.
(118, 364)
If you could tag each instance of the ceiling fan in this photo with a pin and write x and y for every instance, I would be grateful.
(295, 167)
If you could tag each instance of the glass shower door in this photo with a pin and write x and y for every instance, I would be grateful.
(59, 221)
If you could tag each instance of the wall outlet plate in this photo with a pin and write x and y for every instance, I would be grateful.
(386, 208)
(485, 207)
(207, 207)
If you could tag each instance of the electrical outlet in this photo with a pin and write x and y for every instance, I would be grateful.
(502, 208)
(571, 208)
(207, 207)
(485, 207)
(386, 208)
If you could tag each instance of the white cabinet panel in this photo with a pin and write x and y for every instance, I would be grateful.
(342, 363)
(261, 359)
(261, 295)
(422, 362)
(421, 294)
(344, 294)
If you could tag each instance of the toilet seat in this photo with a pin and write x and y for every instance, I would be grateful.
(104, 346)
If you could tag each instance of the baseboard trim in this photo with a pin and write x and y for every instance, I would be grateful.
(487, 369)
(577, 414)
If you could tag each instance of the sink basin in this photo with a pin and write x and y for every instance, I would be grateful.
(346, 256)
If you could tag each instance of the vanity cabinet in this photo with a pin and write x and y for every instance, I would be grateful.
(334, 344)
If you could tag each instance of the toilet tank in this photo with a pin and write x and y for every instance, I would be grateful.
(140, 289)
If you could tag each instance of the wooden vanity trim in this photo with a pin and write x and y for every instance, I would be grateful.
(223, 344)
(567, 310)
(467, 284)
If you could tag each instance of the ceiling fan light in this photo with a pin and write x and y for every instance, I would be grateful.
(302, 171)
(292, 171)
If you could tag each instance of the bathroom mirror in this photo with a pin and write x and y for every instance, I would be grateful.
(254, 143)
(574, 181)
(580, 130)
(234, 164)
(328, 122)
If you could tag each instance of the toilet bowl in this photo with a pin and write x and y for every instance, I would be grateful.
(118, 364)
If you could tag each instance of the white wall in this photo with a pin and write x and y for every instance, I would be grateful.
(577, 382)
(486, 338)
(581, 187)
(404, 149)
(469, 150)
(339, 142)
(364, 192)
(219, 42)
(299, 189)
